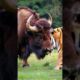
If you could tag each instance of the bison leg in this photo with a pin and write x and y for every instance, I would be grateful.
(26, 54)
(25, 63)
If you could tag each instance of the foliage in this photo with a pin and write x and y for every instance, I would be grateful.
(54, 7)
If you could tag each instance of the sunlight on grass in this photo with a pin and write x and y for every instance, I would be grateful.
(40, 69)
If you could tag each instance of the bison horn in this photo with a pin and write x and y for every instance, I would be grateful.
(28, 25)
(50, 19)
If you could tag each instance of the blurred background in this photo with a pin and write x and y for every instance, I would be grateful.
(54, 7)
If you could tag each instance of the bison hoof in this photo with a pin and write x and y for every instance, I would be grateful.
(25, 65)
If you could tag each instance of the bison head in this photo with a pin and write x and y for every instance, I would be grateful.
(40, 39)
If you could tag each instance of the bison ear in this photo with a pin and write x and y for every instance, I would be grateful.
(48, 17)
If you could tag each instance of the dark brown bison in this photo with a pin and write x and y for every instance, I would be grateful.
(71, 39)
(33, 34)
(8, 41)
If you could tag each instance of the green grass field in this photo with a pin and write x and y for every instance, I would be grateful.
(40, 69)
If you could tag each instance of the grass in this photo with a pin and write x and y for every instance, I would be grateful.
(40, 69)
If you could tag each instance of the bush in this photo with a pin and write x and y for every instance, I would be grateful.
(54, 7)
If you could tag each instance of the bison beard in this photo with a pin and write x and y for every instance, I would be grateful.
(32, 47)
(29, 48)
(39, 52)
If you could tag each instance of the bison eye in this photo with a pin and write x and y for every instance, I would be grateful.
(40, 31)
(29, 33)
(38, 34)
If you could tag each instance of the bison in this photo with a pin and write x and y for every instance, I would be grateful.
(34, 34)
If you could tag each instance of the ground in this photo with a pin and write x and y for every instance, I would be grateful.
(40, 69)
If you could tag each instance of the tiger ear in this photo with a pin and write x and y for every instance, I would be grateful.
(58, 29)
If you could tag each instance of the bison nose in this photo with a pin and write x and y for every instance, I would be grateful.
(77, 18)
(48, 49)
